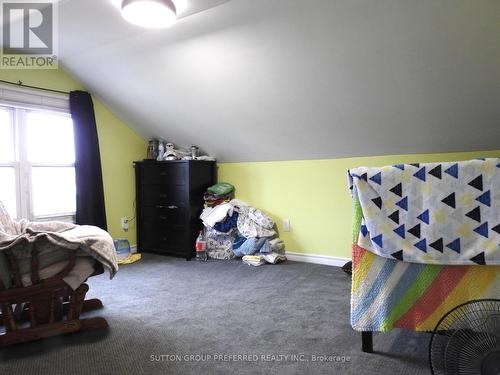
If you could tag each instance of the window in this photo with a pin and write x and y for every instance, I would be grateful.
(37, 163)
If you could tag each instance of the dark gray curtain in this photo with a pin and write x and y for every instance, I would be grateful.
(90, 209)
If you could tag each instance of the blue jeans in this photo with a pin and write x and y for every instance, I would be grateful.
(242, 246)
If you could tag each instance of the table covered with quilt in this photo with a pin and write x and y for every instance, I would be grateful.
(426, 238)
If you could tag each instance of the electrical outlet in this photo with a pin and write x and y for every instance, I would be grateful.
(286, 225)
(124, 223)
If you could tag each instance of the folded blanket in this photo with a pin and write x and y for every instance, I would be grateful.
(435, 213)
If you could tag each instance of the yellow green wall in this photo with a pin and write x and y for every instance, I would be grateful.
(119, 146)
(313, 194)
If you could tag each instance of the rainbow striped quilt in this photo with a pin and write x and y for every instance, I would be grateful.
(390, 293)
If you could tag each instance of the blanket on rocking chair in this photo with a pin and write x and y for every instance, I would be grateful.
(53, 239)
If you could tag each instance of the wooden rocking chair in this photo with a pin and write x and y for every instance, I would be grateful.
(46, 308)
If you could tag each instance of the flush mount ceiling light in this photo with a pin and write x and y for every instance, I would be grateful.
(152, 13)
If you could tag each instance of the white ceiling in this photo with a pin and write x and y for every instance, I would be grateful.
(293, 79)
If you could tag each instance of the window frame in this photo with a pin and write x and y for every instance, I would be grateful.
(23, 168)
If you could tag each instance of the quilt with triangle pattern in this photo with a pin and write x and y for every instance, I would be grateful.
(432, 213)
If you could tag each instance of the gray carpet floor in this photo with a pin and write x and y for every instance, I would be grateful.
(291, 318)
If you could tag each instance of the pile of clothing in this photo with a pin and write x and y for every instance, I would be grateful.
(218, 194)
(235, 229)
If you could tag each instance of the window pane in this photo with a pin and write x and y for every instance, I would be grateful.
(8, 190)
(6, 136)
(54, 190)
(49, 138)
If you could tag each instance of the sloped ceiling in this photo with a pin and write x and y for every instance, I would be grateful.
(256, 80)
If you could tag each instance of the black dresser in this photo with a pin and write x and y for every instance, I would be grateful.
(169, 203)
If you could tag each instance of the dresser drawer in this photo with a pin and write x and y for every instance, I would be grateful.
(161, 218)
(168, 174)
(163, 195)
(173, 240)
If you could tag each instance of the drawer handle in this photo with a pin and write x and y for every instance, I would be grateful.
(163, 217)
(172, 207)
(163, 173)
(161, 206)
(163, 238)
(163, 195)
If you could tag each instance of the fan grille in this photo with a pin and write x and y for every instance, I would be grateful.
(467, 340)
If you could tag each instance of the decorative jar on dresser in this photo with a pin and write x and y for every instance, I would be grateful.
(169, 200)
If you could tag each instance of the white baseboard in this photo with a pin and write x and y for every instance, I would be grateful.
(317, 259)
(301, 257)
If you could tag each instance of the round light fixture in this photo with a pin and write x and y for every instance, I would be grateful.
(149, 13)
